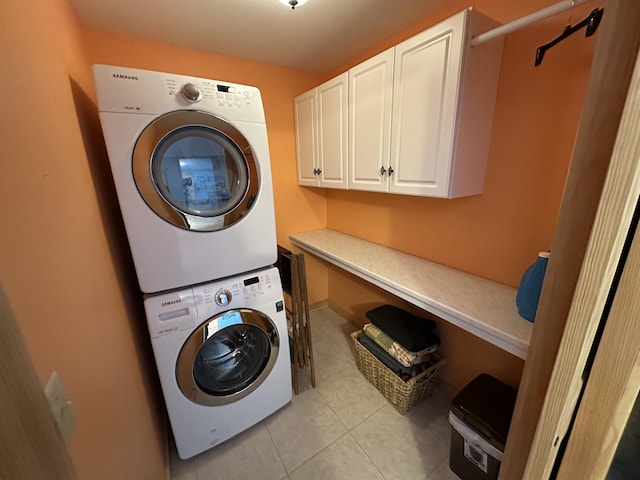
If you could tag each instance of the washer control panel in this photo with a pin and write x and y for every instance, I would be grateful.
(223, 297)
(171, 312)
(256, 287)
(176, 311)
(239, 291)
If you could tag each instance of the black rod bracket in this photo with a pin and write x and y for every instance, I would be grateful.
(591, 23)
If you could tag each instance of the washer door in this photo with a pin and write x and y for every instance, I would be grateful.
(227, 357)
(195, 171)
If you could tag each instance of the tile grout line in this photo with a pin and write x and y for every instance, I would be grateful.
(367, 455)
(275, 447)
(317, 453)
(350, 430)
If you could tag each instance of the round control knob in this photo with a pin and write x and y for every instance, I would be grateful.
(191, 92)
(223, 297)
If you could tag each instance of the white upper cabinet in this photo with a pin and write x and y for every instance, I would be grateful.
(419, 114)
(370, 93)
(321, 134)
(425, 98)
(443, 102)
(304, 107)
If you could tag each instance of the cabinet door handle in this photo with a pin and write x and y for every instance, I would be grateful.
(316, 171)
(382, 171)
(390, 170)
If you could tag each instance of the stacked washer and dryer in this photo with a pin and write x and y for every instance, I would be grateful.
(190, 163)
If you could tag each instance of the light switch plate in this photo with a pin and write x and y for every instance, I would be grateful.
(60, 406)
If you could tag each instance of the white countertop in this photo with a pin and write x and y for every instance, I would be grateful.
(482, 307)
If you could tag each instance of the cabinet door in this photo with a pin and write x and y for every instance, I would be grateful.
(332, 132)
(425, 97)
(306, 137)
(370, 90)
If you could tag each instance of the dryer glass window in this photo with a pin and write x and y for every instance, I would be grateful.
(231, 359)
(196, 171)
(200, 171)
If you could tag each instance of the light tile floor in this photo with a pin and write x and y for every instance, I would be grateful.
(344, 429)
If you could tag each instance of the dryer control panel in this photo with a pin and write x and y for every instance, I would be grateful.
(131, 90)
(191, 92)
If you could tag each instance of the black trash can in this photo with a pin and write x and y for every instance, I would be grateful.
(480, 416)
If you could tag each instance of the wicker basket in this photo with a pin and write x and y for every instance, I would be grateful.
(401, 394)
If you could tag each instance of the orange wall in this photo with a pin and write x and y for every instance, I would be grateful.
(495, 235)
(66, 266)
(62, 263)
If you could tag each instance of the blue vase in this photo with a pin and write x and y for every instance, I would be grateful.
(530, 286)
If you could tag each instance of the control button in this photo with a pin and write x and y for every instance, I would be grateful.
(223, 297)
(191, 92)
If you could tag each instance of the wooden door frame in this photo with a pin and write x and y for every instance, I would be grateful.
(589, 307)
(613, 382)
(30, 440)
(600, 195)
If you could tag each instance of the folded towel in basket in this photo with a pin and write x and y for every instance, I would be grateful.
(397, 351)
(405, 373)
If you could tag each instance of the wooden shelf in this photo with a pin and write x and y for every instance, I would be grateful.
(484, 308)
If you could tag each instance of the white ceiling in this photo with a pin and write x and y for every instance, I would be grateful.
(318, 36)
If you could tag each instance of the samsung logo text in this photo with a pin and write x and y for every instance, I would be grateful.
(171, 302)
(125, 77)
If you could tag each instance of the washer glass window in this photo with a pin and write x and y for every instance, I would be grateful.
(227, 357)
(231, 359)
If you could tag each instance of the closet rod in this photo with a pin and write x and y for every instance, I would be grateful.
(534, 17)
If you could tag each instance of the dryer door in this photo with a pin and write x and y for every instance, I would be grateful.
(227, 357)
(195, 170)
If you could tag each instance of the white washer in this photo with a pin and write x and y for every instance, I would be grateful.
(222, 353)
(190, 162)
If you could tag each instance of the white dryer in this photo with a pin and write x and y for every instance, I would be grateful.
(190, 162)
(222, 353)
